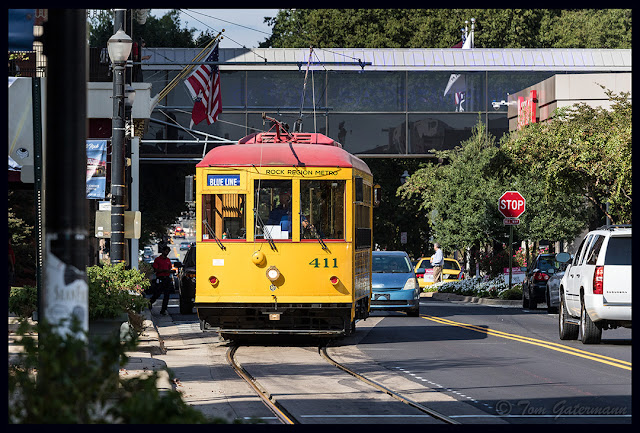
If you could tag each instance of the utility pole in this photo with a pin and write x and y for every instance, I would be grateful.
(65, 291)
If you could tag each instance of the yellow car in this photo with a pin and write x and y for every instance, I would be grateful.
(424, 271)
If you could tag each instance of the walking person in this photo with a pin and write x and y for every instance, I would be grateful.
(437, 260)
(164, 283)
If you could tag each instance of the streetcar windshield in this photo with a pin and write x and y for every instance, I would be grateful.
(223, 216)
(273, 203)
(322, 206)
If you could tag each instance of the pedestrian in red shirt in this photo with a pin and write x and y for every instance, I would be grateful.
(164, 283)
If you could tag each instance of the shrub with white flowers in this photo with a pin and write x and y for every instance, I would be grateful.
(481, 288)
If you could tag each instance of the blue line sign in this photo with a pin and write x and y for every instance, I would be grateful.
(223, 180)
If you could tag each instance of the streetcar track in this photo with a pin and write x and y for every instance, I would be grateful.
(280, 412)
(286, 417)
(323, 352)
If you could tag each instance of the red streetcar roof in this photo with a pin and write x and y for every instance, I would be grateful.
(302, 149)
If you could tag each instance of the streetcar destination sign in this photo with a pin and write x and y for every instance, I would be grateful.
(223, 180)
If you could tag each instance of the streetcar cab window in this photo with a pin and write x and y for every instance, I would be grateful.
(273, 204)
(223, 216)
(362, 213)
(322, 209)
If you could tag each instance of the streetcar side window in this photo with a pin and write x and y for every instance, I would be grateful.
(363, 217)
(273, 205)
(223, 216)
(322, 205)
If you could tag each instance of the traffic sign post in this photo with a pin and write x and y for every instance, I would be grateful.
(511, 205)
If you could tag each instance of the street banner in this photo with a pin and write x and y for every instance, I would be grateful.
(96, 169)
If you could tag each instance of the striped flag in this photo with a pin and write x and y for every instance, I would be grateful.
(204, 85)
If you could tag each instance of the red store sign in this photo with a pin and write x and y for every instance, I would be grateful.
(527, 109)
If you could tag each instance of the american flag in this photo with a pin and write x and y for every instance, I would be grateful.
(204, 85)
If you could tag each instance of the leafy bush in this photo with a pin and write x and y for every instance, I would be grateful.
(59, 385)
(493, 263)
(23, 301)
(114, 290)
(481, 288)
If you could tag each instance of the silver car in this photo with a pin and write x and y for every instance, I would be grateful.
(552, 295)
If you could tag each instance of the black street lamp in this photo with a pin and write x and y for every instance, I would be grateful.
(119, 47)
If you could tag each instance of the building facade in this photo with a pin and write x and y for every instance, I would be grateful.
(376, 102)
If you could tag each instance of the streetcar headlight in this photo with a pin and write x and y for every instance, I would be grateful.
(273, 273)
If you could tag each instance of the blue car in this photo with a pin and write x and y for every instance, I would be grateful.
(394, 284)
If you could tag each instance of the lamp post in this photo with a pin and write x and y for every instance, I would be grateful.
(119, 47)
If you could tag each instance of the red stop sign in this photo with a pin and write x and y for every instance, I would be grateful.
(511, 204)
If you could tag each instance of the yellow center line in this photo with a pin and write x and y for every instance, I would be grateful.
(548, 344)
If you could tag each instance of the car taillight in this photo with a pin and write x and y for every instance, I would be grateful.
(540, 276)
(598, 277)
(461, 276)
(419, 275)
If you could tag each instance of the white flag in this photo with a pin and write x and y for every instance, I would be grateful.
(458, 79)
(457, 83)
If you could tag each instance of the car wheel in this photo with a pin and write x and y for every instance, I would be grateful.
(186, 306)
(590, 332)
(531, 303)
(413, 312)
(567, 331)
(550, 309)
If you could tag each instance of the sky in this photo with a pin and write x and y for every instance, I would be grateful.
(242, 27)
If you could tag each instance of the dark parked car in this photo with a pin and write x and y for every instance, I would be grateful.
(552, 296)
(534, 287)
(187, 279)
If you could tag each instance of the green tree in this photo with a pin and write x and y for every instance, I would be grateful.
(584, 150)
(440, 28)
(394, 215)
(161, 199)
(166, 31)
(461, 195)
(587, 28)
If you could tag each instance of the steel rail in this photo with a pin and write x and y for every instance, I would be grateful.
(282, 414)
(323, 352)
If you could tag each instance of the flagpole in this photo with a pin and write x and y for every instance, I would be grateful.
(186, 70)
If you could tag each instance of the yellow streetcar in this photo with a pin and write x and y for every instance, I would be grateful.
(284, 235)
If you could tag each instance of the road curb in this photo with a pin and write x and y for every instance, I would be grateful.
(471, 299)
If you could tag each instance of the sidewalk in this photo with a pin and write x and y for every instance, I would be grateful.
(145, 359)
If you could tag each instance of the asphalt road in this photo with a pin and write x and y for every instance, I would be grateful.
(509, 362)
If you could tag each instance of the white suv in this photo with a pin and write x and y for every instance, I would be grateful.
(595, 292)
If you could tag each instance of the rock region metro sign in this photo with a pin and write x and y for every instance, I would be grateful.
(511, 205)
